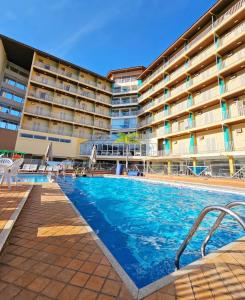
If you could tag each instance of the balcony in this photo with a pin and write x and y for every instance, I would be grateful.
(70, 89)
(124, 114)
(239, 56)
(73, 76)
(192, 43)
(123, 102)
(125, 90)
(56, 132)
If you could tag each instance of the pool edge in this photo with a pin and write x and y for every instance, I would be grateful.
(139, 293)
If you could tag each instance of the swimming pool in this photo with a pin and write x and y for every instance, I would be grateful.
(35, 178)
(143, 223)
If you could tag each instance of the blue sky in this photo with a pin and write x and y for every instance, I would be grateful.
(100, 34)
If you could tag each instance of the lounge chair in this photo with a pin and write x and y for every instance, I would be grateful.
(11, 172)
(41, 168)
(56, 168)
(33, 168)
(49, 169)
(26, 168)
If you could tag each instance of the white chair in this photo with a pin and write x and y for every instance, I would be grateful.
(42, 168)
(33, 168)
(26, 168)
(4, 162)
(12, 171)
(49, 169)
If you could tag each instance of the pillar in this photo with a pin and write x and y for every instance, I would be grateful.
(231, 165)
(169, 167)
(194, 165)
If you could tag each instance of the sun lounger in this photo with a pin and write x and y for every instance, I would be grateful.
(133, 173)
(26, 168)
(41, 168)
(33, 168)
(49, 169)
(56, 168)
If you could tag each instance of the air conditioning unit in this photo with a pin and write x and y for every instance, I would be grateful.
(29, 118)
(239, 130)
(202, 137)
(176, 142)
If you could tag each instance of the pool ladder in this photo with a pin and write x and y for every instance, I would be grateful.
(224, 211)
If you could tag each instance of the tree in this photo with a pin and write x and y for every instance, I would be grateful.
(127, 139)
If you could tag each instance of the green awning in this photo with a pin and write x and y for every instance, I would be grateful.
(12, 152)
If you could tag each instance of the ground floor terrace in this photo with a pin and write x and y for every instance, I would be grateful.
(51, 253)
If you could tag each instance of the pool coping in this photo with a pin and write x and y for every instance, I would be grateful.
(139, 293)
(10, 223)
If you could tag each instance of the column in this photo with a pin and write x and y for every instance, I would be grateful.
(231, 165)
(194, 165)
(169, 167)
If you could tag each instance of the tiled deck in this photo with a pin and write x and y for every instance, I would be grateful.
(226, 182)
(9, 202)
(51, 254)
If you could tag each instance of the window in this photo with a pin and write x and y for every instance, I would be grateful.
(65, 141)
(53, 139)
(39, 137)
(25, 135)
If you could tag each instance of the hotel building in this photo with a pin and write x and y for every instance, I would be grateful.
(188, 105)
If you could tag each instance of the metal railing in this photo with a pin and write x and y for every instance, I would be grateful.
(204, 212)
(216, 225)
(73, 76)
(197, 38)
(69, 88)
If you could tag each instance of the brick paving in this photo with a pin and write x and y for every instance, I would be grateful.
(51, 254)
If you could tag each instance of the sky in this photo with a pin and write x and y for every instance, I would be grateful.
(100, 35)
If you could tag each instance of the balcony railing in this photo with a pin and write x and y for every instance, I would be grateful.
(72, 76)
(126, 101)
(194, 41)
(69, 88)
(66, 102)
(57, 132)
(65, 117)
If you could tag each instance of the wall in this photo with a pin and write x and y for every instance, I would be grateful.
(3, 60)
(39, 147)
(7, 139)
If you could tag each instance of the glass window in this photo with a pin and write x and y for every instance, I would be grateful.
(25, 135)
(65, 141)
(40, 137)
(53, 139)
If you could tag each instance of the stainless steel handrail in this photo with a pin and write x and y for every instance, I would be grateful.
(216, 225)
(201, 216)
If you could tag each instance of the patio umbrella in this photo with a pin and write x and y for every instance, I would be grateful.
(92, 158)
(49, 152)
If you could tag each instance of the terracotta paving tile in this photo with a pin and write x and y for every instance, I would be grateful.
(88, 267)
(111, 287)
(124, 294)
(52, 271)
(95, 283)
(102, 270)
(12, 276)
(65, 275)
(25, 279)
(87, 294)
(69, 292)
(53, 289)
(9, 292)
(75, 264)
(38, 284)
(105, 297)
(79, 279)
(26, 295)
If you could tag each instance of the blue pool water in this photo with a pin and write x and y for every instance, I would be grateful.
(144, 223)
(35, 178)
